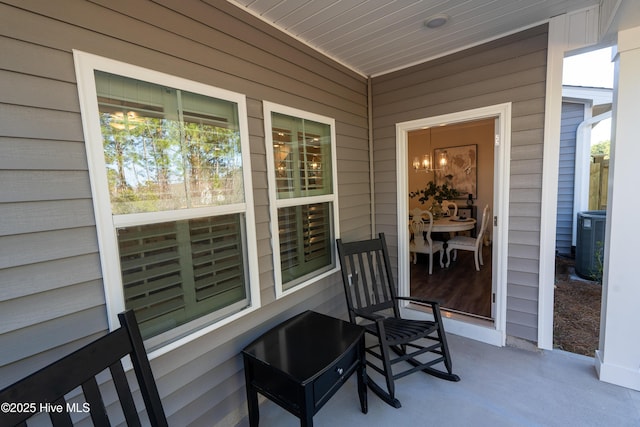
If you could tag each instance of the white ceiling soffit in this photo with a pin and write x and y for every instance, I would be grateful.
(374, 37)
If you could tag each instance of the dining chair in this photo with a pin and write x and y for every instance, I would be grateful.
(422, 242)
(473, 244)
(416, 213)
(399, 346)
(450, 207)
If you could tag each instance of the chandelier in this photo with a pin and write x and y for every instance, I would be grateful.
(427, 164)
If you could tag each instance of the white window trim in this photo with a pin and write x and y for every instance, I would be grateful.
(275, 203)
(85, 65)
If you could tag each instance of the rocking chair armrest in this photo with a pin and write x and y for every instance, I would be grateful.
(432, 303)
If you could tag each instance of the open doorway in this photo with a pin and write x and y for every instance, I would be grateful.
(454, 163)
(492, 328)
(582, 194)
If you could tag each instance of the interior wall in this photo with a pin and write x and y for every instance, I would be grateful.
(480, 133)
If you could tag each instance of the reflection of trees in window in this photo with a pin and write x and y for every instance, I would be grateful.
(155, 163)
(212, 165)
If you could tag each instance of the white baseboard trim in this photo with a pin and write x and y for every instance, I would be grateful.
(617, 375)
(475, 332)
(464, 326)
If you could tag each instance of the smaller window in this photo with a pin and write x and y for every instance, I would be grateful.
(302, 188)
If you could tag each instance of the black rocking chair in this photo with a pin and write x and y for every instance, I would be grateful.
(45, 390)
(371, 297)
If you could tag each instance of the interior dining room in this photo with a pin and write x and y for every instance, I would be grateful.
(454, 163)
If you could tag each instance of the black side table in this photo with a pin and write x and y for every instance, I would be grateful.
(302, 362)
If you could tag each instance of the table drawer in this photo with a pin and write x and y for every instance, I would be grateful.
(335, 375)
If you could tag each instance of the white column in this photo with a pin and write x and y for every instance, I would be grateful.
(618, 356)
(558, 44)
(566, 32)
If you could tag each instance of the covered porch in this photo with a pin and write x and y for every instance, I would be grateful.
(499, 386)
(61, 287)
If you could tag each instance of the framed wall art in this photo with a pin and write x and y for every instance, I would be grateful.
(461, 171)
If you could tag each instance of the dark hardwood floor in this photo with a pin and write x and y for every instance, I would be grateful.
(460, 287)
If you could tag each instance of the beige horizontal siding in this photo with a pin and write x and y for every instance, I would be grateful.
(48, 275)
(49, 261)
(48, 93)
(69, 299)
(41, 154)
(29, 217)
(15, 371)
(39, 123)
(27, 341)
(23, 249)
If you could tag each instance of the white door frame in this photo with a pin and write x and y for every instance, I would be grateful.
(495, 334)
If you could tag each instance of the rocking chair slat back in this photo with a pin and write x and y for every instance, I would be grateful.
(368, 283)
(372, 297)
(78, 371)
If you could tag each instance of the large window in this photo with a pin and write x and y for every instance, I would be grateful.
(302, 181)
(170, 171)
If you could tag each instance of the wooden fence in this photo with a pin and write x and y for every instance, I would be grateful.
(598, 182)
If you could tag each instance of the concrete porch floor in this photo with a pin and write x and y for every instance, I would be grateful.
(499, 387)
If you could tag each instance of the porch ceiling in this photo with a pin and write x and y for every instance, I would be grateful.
(374, 37)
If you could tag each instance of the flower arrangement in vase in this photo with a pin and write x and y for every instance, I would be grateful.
(437, 194)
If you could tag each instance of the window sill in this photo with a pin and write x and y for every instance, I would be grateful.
(199, 333)
(280, 293)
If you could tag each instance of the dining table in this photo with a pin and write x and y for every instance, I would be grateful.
(448, 224)
(452, 225)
